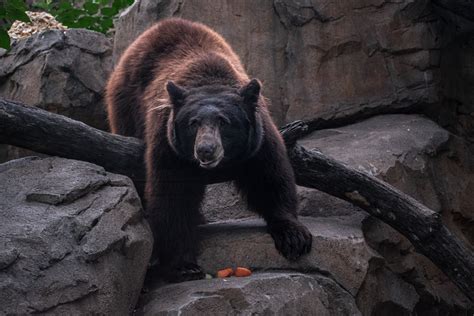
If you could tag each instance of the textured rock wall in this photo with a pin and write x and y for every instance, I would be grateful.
(73, 239)
(60, 71)
(426, 162)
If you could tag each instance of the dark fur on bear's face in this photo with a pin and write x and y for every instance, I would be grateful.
(215, 126)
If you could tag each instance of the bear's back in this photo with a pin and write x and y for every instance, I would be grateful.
(189, 53)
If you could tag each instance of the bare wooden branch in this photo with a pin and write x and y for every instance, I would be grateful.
(52, 134)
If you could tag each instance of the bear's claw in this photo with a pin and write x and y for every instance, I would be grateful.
(292, 239)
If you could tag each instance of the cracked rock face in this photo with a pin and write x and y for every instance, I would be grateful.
(424, 161)
(395, 148)
(73, 239)
(60, 71)
(279, 293)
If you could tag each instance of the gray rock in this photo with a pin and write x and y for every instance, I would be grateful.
(60, 71)
(283, 293)
(385, 293)
(395, 148)
(222, 202)
(339, 249)
(433, 288)
(424, 161)
(73, 239)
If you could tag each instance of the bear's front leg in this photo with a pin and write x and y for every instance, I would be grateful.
(173, 200)
(267, 182)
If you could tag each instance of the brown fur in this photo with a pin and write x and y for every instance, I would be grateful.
(192, 55)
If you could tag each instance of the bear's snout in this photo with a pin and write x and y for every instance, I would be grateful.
(208, 148)
(206, 151)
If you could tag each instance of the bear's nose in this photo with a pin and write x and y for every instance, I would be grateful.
(206, 151)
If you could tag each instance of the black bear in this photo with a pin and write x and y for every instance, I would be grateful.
(181, 88)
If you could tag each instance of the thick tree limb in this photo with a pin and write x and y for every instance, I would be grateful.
(52, 134)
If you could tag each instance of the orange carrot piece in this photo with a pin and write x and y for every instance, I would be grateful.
(224, 273)
(242, 272)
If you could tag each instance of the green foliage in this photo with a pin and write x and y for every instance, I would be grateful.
(10, 10)
(96, 15)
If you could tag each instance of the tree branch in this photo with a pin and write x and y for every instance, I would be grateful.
(52, 134)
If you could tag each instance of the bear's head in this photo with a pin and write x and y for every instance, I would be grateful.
(215, 125)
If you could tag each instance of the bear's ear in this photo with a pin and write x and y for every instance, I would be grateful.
(176, 94)
(250, 92)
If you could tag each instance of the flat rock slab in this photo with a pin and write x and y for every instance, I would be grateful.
(375, 145)
(339, 249)
(283, 293)
(73, 239)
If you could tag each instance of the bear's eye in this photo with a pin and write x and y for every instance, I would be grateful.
(193, 122)
(223, 120)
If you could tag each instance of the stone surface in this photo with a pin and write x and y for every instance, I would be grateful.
(395, 148)
(435, 291)
(339, 249)
(60, 71)
(385, 293)
(73, 239)
(282, 293)
(424, 161)
(222, 202)
(413, 154)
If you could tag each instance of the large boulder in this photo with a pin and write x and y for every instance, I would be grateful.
(60, 71)
(282, 293)
(424, 161)
(73, 239)
(395, 148)
(413, 154)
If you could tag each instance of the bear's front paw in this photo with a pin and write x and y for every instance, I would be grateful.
(292, 239)
(183, 272)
